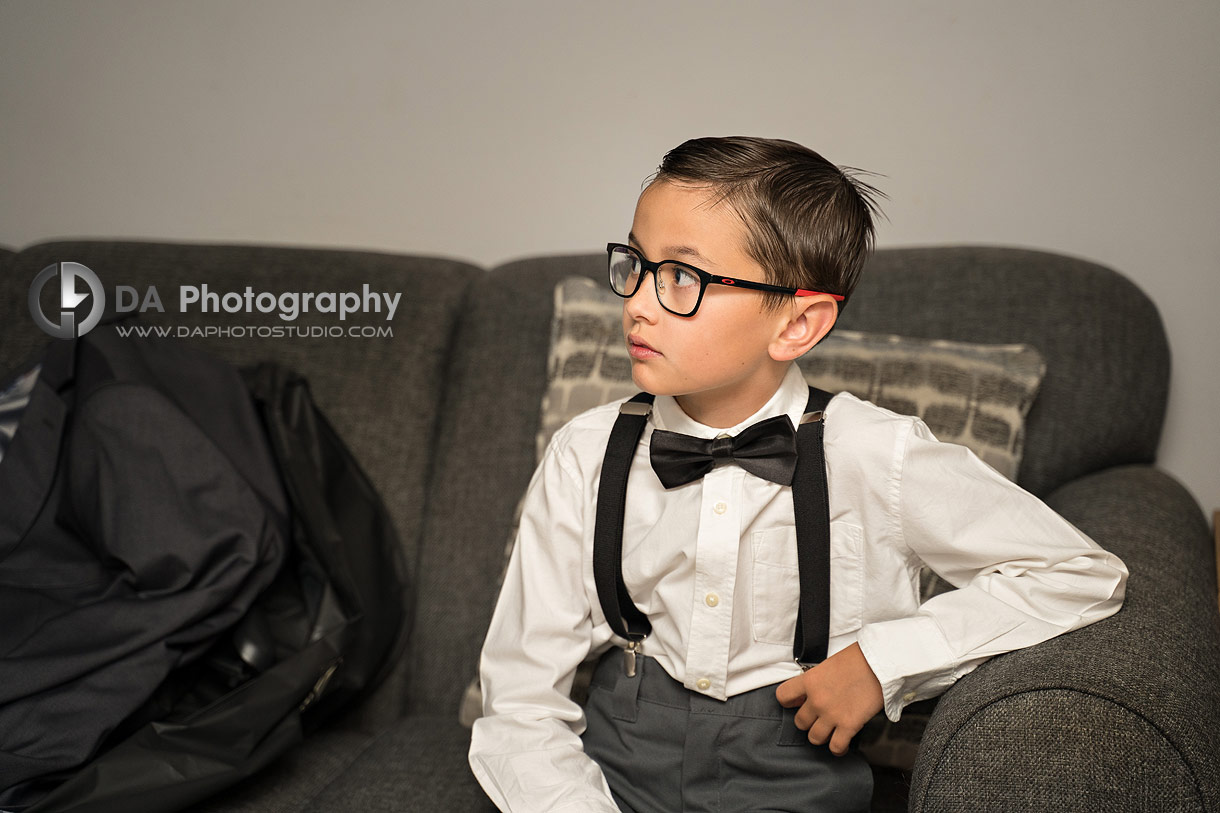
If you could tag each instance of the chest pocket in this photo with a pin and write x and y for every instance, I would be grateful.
(776, 587)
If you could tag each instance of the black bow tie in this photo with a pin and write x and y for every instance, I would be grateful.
(766, 449)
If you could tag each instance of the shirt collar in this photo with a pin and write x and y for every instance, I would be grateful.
(790, 399)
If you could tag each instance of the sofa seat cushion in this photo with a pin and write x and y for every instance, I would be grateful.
(288, 784)
(419, 764)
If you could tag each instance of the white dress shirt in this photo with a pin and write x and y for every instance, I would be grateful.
(713, 565)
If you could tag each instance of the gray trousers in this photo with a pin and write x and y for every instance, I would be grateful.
(666, 749)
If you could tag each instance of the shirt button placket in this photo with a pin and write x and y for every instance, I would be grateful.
(716, 571)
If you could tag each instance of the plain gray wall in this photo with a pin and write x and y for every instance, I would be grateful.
(489, 131)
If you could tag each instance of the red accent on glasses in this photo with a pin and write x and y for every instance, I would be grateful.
(803, 292)
(727, 281)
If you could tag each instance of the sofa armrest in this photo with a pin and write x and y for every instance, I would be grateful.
(1120, 715)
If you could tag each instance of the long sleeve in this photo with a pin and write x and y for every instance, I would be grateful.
(1024, 573)
(526, 750)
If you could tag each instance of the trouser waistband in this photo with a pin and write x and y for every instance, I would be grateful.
(653, 684)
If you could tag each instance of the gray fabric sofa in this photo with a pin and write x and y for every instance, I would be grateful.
(1122, 715)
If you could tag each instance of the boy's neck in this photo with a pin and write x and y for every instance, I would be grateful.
(720, 410)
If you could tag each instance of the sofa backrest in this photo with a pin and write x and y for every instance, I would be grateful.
(382, 394)
(1101, 404)
(1102, 400)
(443, 415)
(491, 415)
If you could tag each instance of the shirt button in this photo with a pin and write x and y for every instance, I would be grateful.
(720, 507)
(908, 697)
(712, 599)
(703, 684)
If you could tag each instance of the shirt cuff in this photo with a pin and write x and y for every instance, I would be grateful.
(546, 780)
(910, 657)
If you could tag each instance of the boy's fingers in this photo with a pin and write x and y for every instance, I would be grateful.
(791, 692)
(840, 742)
(820, 731)
(805, 717)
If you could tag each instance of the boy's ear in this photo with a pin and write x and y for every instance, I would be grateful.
(809, 319)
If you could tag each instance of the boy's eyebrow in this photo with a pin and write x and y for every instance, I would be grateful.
(672, 251)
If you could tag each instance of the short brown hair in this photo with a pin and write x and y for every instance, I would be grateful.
(809, 223)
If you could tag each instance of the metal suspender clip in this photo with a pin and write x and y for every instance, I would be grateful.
(629, 654)
(811, 417)
(635, 408)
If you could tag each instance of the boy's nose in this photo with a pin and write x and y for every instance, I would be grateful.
(643, 304)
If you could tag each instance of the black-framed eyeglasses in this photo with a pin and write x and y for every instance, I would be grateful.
(679, 286)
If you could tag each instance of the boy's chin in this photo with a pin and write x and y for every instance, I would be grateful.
(638, 380)
(642, 380)
(650, 384)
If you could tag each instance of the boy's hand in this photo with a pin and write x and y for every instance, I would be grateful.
(836, 698)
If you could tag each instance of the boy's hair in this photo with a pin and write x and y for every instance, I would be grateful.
(809, 224)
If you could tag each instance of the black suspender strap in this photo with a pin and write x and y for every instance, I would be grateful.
(621, 613)
(811, 510)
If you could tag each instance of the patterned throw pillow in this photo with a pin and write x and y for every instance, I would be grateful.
(971, 394)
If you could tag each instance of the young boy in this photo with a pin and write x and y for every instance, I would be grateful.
(711, 712)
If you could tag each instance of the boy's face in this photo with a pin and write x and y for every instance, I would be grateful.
(717, 362)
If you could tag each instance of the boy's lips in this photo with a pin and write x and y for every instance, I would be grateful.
(639, 349)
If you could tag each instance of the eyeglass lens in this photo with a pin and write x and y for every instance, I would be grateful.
(677, 286)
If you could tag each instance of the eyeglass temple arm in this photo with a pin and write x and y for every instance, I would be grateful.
(762, 286)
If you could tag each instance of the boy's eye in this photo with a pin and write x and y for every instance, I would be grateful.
(683, 277)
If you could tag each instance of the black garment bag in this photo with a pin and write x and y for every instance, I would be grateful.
(216, 576)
